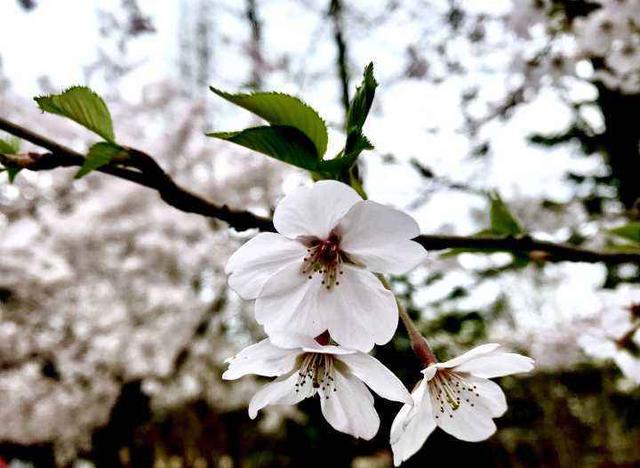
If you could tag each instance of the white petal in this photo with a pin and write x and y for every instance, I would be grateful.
(288, 305)
(262, 358)
(470, 423)
(361, 312)
(253, 263)
(628, 364)
(378, 237)
(430, 371)
(314, 211)
(597, 346)
(350, 408)
(497, 365)
(412, 426)
(491, 395)
(471, 354)
(358, 313)
(281, 391)
(377, 377)
(617, 322)
(328, 349)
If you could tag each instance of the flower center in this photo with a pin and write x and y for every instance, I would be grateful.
(316, 370)
(449, 391)
(324, 258)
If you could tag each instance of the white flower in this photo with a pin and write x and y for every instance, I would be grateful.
(457, 396)
(595, 33)
(316, 274)
(617, 331)
(526, 14)
(335, 373)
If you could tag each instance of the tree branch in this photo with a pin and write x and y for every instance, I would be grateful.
(142, 169)
(335, 14)
(525, 245)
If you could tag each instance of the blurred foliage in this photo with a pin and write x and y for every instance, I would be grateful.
(570, 418)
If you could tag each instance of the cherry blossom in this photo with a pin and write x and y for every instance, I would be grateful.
(457, 396)
(334, 373)
(316, 273)
(617, 333)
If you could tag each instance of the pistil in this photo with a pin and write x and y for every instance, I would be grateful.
(449, 391)
(325, 258)
(316, 369)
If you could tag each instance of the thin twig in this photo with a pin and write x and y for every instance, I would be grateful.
(140, 168)
(335, 14)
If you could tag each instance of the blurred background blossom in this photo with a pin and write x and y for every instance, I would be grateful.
(115, 318)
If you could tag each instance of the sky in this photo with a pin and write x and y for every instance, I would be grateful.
(63, 37)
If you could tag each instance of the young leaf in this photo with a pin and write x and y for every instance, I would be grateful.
(284, 110)
(361, 103)
(99, 155)
(9, 146)
(343, 162)
(83, 106)
(12, 172)
(629, 231)
(502, 221)
(287, 144)
(356, 116)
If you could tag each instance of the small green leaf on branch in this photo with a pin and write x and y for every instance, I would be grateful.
(287, 144)
(100, 155)
(629, 231)
(285, 111)
(83, 106)
(502, 221)
(10, 146)
(362, 101)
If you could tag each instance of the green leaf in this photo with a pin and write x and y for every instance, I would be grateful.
(9, 146)
(284, 110)
(12, 172)
(287, 144)
(359, 144)
(629, 231)
(99, 155)
(83, 106)
(503, 222)
(343, 162)
(356, 116)
(361, 103)
(622, 247)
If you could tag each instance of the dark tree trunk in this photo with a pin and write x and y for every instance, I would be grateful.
(621, 139)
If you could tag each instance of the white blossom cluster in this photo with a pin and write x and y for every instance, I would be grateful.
(612, 34)
(615, 334)
(323, 308)
(102, 284)
(601, 44)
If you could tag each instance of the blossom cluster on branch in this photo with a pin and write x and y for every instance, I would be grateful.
(323, 309)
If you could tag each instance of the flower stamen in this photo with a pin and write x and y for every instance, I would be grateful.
(449, 391)
(317, 370)
(325, 258)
